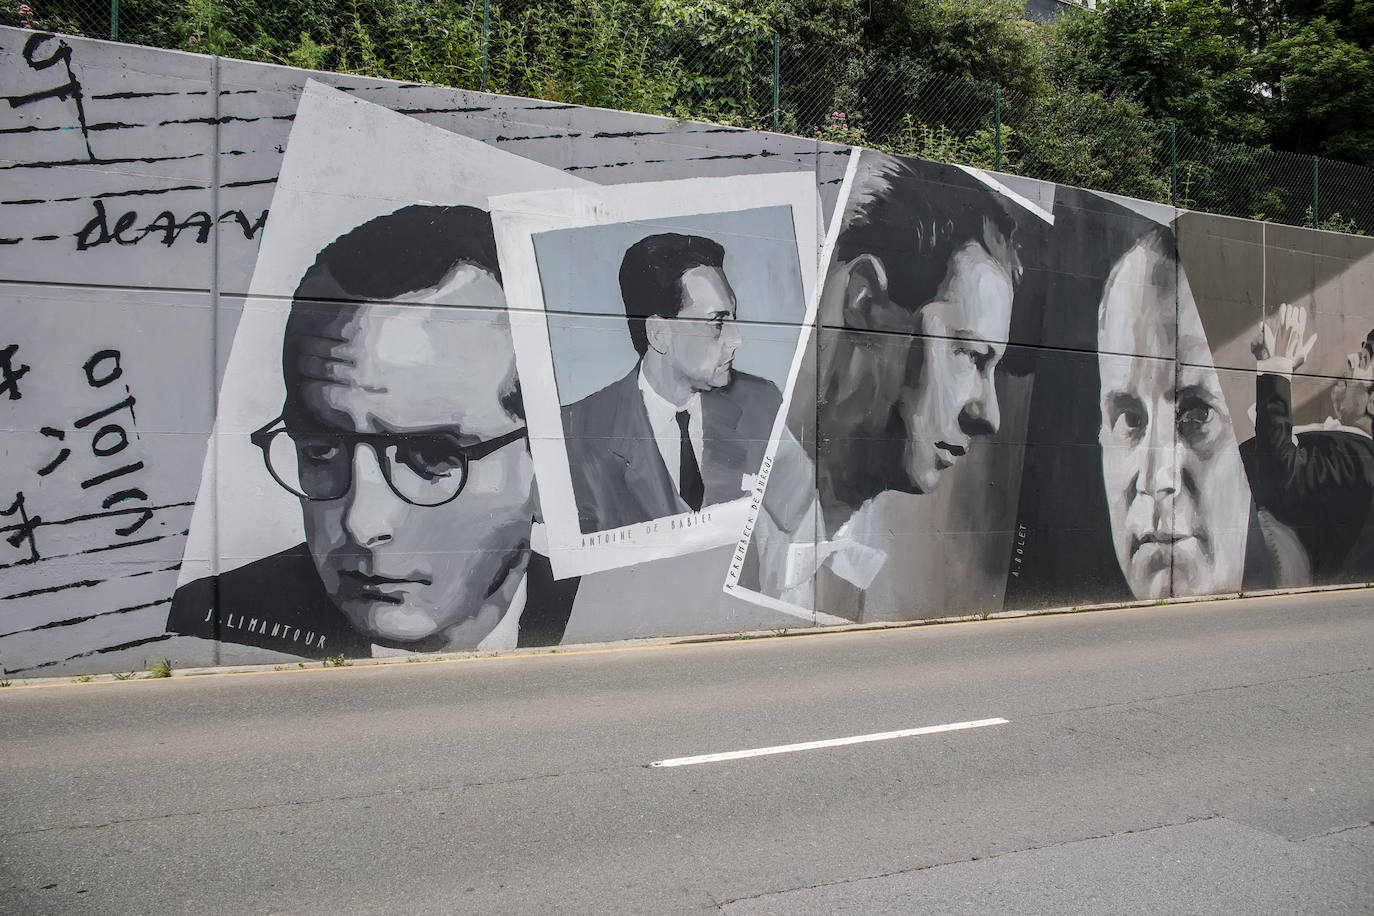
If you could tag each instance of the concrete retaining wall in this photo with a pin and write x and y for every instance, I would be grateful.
(299, 364)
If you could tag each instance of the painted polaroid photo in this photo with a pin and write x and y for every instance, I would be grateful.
(368, 487)
(890, 489)
(668, 315)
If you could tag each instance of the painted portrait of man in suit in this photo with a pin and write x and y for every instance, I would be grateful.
(683, 429)
(1176, 492)
(915, 315)
(1318, 479)
(403, 437)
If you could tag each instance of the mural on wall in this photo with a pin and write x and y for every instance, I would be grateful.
(648, 425)
(1177, 499)
(914, 320)
(1135, 487)
(292, 369)
(371, 402)
(1301, 385)
(1316, 479)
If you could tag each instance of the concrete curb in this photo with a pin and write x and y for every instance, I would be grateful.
(658, 642)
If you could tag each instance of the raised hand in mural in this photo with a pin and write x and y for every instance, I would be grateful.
(1285, 337)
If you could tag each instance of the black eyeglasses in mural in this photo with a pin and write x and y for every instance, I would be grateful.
(422, 469)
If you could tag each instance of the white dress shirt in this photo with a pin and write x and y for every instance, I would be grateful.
(845, 554)
(667, 434)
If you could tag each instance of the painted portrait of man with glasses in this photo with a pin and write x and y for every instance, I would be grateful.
(403, 437)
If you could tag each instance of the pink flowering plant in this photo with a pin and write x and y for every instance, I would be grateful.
(26, 16)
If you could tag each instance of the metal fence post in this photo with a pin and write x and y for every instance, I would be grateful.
(1316, 197)
(1173, 164)
(777, 78)
(114, 20)
(997, 118)
(486, 19)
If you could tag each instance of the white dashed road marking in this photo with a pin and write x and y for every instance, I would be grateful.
(829, 742)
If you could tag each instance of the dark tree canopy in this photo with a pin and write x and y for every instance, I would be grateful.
(1088, 94)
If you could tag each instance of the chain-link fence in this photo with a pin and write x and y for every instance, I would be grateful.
(709, 60)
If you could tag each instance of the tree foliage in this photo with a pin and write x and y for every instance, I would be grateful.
(1184, 60)
(1295, 75)
(1088, 99)
(1320, 72)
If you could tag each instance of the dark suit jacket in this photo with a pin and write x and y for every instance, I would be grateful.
(618, 474)
(1322, 487)
(279, 603)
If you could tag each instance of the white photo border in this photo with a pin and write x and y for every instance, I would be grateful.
(518, 218)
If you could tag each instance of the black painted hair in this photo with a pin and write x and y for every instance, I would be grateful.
(651, 277)
(914, 215)
(409, 250)
(388, 258)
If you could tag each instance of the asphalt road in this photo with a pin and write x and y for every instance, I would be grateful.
(1210, 758)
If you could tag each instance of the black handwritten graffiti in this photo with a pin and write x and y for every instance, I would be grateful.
(24, 529)
(111, 438)
(97, 358)
(99, 231)
(11, 374)
(69, 90)
(62, 455)
(110, 435)
(249, 229)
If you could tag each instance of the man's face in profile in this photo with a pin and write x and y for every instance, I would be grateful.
(423, 374)
(698, 345)
(1350, 394)
(1176, 488)
(950, 394)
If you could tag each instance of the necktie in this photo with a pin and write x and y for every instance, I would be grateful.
(689, 479)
